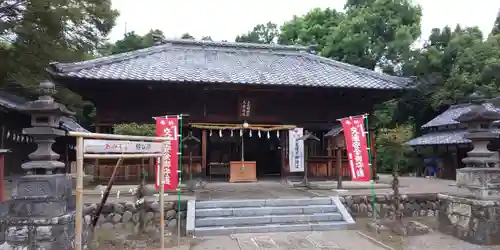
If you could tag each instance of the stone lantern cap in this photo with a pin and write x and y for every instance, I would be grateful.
(479, 113)
(45, 103)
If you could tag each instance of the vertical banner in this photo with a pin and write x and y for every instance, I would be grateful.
(296, 150)
(168, 127)
(357, 148)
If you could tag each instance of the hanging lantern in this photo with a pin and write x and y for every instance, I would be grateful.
(14, 137)
(7, 135)
(268, 135)
(210, 133)
(250, 134)
(220, 133)
(258, 133)
(277, 134)
(232, 133)
(241, 132)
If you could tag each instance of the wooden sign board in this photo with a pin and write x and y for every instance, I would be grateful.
(117, 146)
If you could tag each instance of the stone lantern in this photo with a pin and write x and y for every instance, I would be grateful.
(481, 175)
(474, 216)
(41, 214)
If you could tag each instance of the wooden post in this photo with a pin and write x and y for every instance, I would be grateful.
(284, 148)
(2, 173)
(79, 194)
(162, 203)
(96, 163)
(204, 149)
(2, 164)
(339, 168)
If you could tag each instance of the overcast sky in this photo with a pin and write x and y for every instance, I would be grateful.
(224, 19)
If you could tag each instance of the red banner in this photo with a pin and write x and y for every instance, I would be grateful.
(168, 127)
(357, 148)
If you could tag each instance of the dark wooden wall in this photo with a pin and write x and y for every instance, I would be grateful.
(307, 107)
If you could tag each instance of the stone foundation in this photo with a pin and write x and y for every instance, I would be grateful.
(413, 205)
(58, 232)
(125, 216)
(472, 220)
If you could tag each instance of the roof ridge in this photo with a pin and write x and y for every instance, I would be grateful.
(58, 67)
(398, 80)
(235, 44)
(75, 66)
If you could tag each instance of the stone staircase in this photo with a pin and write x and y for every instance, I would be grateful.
(223, 217)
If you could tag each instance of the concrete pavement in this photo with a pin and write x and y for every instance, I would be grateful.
(327, 240)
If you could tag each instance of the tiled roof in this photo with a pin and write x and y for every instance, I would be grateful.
(193, 61)
(448, 117)
(440, 138)
(10, 101)
(14, 102)
(334, 131)
(70, 124)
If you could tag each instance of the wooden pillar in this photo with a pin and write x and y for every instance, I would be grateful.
(204, 149)
(338, 167)
(2, 176)
(285, 169)
(329, 153)
(96, 163)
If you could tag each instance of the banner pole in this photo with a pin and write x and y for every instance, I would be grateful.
(179, 183)
(372, 176)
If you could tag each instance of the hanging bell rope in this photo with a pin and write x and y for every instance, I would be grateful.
(257, 127)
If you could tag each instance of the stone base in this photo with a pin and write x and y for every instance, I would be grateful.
(403, 228)
(475, 221)
(484, 183)
(37, 233)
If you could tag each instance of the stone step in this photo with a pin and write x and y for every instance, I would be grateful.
(263, 203)
(266, 228)
(266, 219)
(261, 211)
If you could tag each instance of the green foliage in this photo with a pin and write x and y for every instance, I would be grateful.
(496, 26)
(187, 36)
(262, 33)
(131, 41)
(391, 150)
(36, 32)
(135, 129)
(312, 28)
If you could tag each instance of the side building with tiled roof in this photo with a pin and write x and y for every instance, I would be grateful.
(444, 137)
(219, 86)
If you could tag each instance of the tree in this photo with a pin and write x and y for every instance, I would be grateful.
(187, 36)
(375, 33)
(311, 29)
(206, 38)
(496, 26)
(261, 33)
(40, 31)
(131, 41)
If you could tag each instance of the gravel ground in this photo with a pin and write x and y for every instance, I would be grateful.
(439, 241)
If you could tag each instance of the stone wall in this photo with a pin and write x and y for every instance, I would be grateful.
(125, 216)
(412, 205)
(472, 220)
